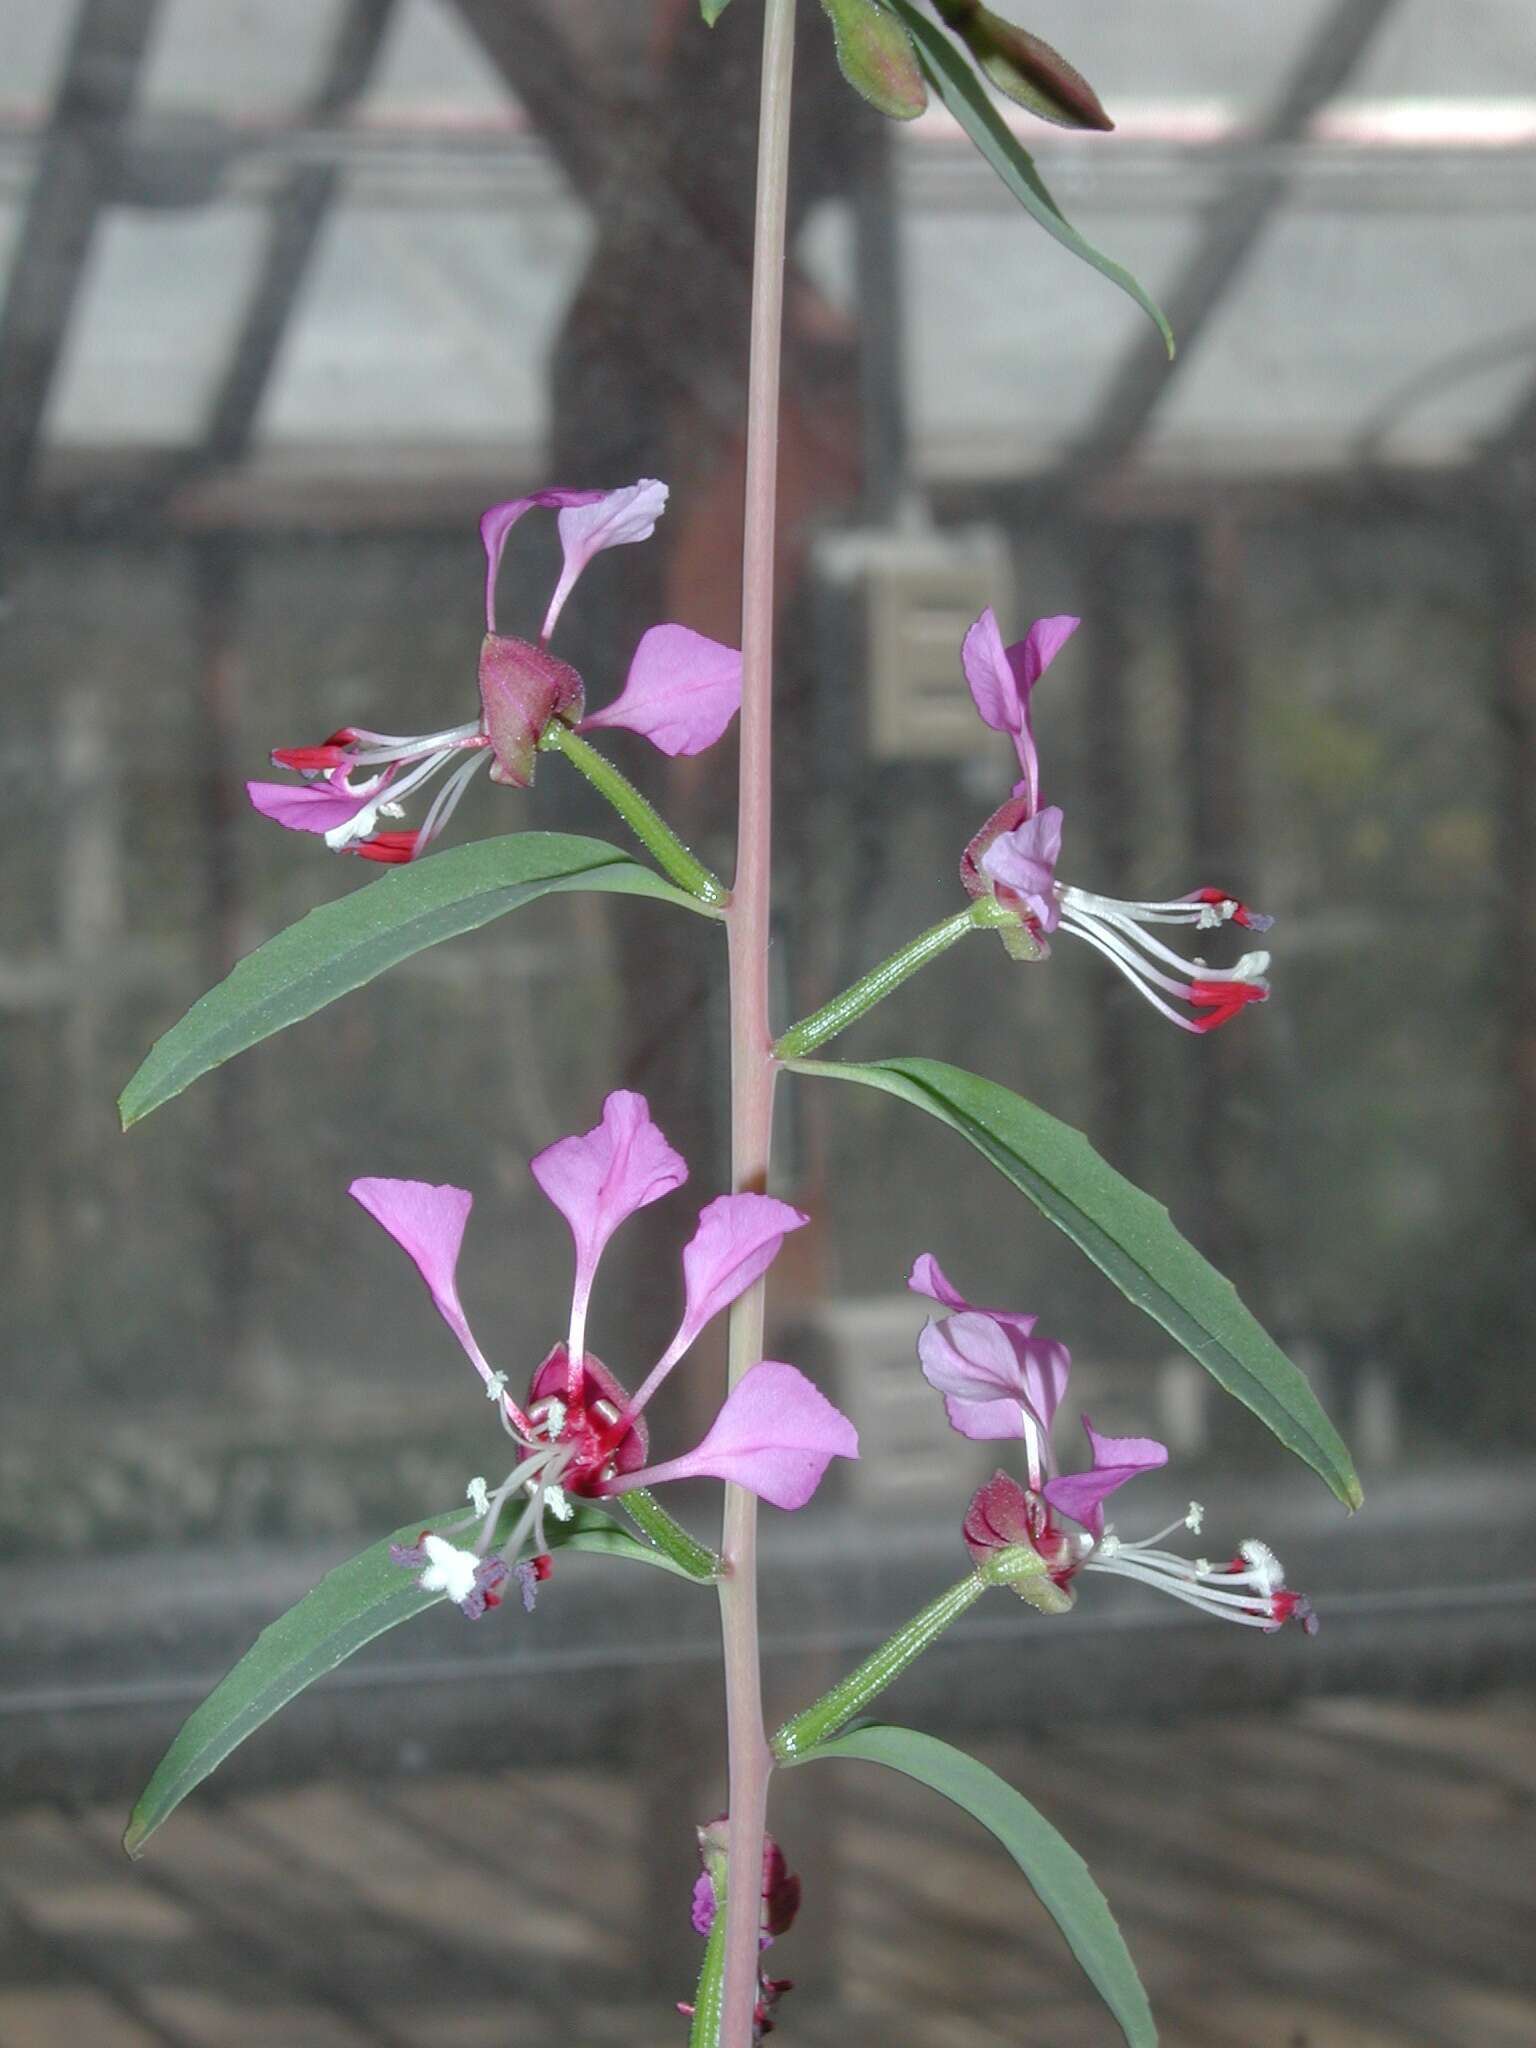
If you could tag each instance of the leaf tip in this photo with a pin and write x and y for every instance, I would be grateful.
(135, 1835)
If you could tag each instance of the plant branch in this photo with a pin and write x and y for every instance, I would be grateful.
(638, 813)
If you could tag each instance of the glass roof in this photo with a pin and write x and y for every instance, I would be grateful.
(1379, 305)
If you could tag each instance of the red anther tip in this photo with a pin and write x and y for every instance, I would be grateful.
(492, 1599)
(393, 848)
(310, 760)
(543, 1565)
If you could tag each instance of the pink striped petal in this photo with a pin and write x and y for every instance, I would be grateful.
(1116, 1460)
(1044, 1365)
(601, 1176)
(498, 522)
(428, 1225)
(681, 693)
(775, 1435)
(1001, 679)
(593, 523)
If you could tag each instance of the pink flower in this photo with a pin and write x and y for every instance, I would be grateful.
(579, 1431)
(1013, 860)
(681, 693)
(999, 1380)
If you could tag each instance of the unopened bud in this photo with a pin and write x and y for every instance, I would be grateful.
(1028, 70)
(875, 55)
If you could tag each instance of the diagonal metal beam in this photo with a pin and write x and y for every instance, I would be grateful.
(74, 166)
(1231, 231)
(299, 209)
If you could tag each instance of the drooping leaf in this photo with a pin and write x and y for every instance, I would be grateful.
(342, 945)
(966, 98)
(1061, 1879)
(875, 55)
(351, 1605)
(1024, 66)
(1130, 1236)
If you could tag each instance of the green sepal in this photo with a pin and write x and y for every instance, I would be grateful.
(1061, 1879)
(352, 1605)
(875, 55)
(343, 945)
(1129, 1236)
(966, 98)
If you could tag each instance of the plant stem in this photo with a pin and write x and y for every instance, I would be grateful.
(658, 1527)
(851, 1695)
(638, 813)
(873, 987)
(752, 1063)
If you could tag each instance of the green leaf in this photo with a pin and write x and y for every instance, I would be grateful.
(966, 98)
(875, 55)
(351, 1605)
(1061, 1879)
(712, 10)
(344, 944)
(1130, 1237)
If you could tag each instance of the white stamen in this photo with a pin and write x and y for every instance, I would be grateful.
(1195, 1519)
(477, 1496)
(496, 1386)
(558, 1503)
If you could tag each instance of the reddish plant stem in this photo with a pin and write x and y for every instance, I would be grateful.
(752, 1065)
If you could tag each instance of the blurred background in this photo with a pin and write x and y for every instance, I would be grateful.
(291, 290)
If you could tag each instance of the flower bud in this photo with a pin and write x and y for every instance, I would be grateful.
(1013, 1542)
(1028, 70)
(522, 690)
(875, 55)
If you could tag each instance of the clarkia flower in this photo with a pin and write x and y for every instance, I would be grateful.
(681, 693)
(999, 1380)
(579, 1432)
(1013, 859)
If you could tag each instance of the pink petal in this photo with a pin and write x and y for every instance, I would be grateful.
(428, 1224)
(681, 693)
(598, 1178)
(594, 523)
(971, 1357)
(1030, 657)
(775, 1435)
(994, 686)
(499, 521)
(308, 806)
(737, 1240)
(1023, 861)
(1116, 1460)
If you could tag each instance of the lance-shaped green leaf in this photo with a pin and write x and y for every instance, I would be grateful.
(875, 55)
(1130, 1236)
(1061, 1879)
(344, 944)
(351, 1605)
(1024, 66)
(712, 10)
(966, 98)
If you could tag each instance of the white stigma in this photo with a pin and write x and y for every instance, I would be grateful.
(478, 1497)
(449, 1569)
(559, 1505)
(1252, 967)
(1266, 1570)
(1194, 1521)
(553, 1417)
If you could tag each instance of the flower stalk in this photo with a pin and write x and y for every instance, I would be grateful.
(830, 1714)
(638, 813)
(708, 1999)
(752, 1063)
(669, 1537)
(863, 994)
